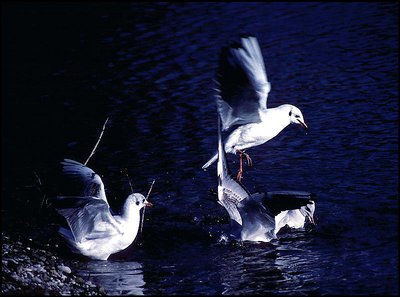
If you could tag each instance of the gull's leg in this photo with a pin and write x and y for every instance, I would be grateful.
(239, 175)
(249, 161)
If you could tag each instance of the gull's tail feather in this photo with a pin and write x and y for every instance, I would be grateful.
(211, 161)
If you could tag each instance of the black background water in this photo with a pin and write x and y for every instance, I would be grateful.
(149, 67)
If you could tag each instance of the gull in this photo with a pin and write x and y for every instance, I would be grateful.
(257, 217)
(243, 90)
(93, 230)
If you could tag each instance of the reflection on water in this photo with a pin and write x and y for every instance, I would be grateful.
(242, 268)
(117, 278)
(278, 267)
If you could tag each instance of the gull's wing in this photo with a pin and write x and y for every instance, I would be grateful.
(279, 201)
(295, 218)
(230, 193)
(243, 86)
(91, 183)
(258, 221)
(87, 217)
(290, 208)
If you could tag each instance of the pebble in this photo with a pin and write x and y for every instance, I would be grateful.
(12, 261)
(29, 274)
(36, 271)
(64, 269)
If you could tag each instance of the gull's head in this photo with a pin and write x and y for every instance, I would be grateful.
(296, 117)
(137, 200)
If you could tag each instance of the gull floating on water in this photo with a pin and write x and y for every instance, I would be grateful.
(93, 231)
(256, 217)
(243, 90)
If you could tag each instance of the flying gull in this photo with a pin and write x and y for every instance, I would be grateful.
(243, 90)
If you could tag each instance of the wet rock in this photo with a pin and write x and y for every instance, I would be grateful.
(29, 274)
(37, 271)
(80, 280)
(12, 263)
(64, 269)
(15, 277)
(90, 284)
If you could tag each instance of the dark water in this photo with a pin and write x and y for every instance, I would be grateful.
(149, 67)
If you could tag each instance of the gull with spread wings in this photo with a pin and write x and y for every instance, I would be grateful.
(243, 89)
(93, 230)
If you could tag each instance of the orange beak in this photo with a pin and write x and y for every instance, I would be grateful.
(148, 204)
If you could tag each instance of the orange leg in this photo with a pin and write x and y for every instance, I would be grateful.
(249, 161)
(239, 175)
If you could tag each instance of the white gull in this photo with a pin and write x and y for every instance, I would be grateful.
(253, 217)
(243, 90)
(93, 231)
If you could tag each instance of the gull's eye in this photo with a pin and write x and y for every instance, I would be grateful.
(290, 113)
(137, 202)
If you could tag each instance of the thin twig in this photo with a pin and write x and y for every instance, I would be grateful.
(151, 187)
(95, 147)
(129, 180)
(144, 208)
(37, 178)
(39, 187)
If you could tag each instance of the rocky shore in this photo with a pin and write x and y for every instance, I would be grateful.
(32, 269)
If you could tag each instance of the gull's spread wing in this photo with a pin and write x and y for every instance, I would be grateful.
(91, 183)
(242, 84)
(87, 217)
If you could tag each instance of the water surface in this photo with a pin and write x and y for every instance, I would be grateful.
(149, 67)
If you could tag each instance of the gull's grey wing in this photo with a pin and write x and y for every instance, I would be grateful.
(91, 183)
(288, 207)
(87, 217)
(242, 84)
(230, 193)
(282, 203)
(258, 221)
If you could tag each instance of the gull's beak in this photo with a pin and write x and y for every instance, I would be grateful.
(148, 204)
(303, 125)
